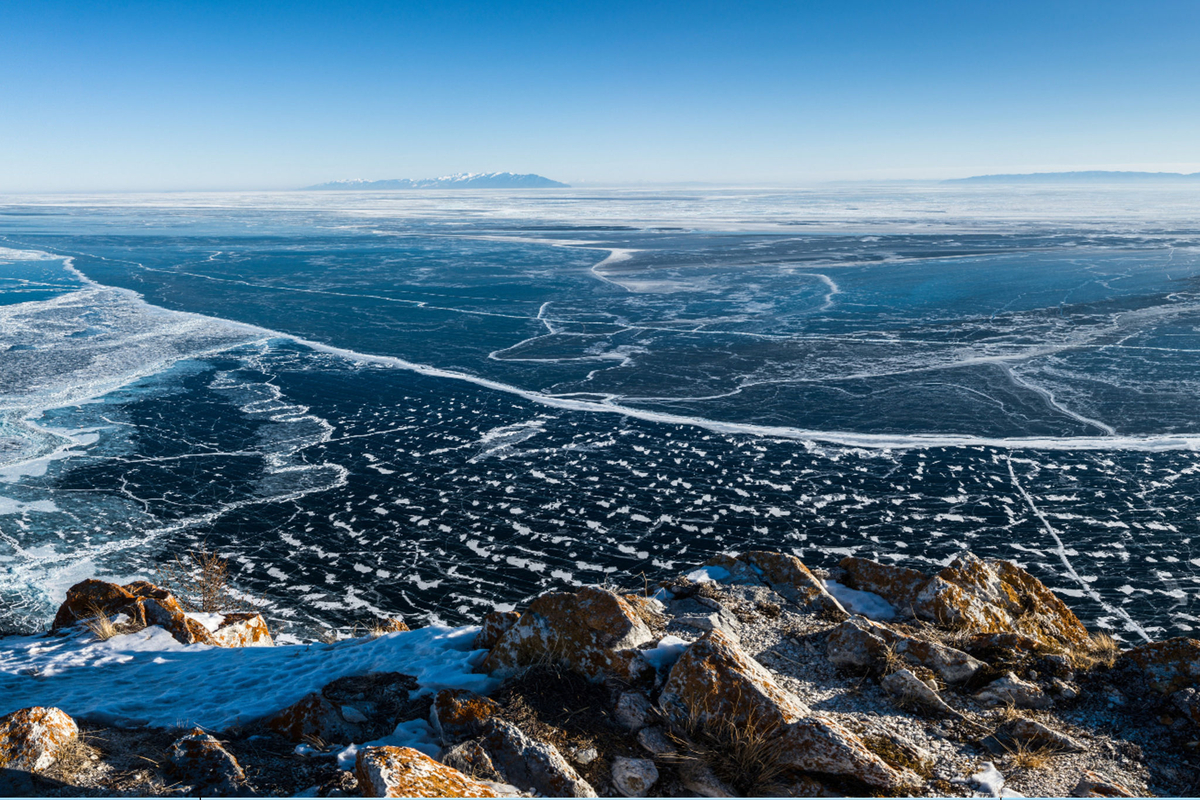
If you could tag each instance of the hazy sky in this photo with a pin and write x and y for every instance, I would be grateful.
(198, 95)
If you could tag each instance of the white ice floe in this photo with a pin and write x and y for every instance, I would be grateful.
(869, 604)
(147, 678)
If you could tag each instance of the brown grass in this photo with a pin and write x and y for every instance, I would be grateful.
(100, 623)
(1027, 757)
(200, 582)
(745, 755)
(1100, 650)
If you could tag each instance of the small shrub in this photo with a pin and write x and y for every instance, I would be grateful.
(200, 582)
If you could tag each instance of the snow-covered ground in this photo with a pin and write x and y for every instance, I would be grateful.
(147, 678)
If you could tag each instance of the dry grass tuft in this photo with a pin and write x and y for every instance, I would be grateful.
(200, 582)
(745, 755)
(1027, 757)
(1100, 650)
(100, 623)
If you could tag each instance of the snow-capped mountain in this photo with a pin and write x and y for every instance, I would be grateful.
(463, 180)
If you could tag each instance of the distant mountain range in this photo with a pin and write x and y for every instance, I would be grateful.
(1094, 176)
(463, 180)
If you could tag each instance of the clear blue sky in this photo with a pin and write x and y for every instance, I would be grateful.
(198, 95)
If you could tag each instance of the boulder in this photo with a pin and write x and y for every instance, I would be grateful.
(495, 624)
(633, 711)
(87, 598)
(199, 760)
(1166, 666)
(531, 765)
(314, 716)
(1011, 690)
(1092, 784)
(1032, 734)
(898, 585)
(243, 630)
(714, 683)
(700, 780)
(715, 687)
(911, 690)
(788, 576)
(459, 714)
(633, 777)
(859, 642)
(1188, 703)
(143, 603)
(470, 758)
(997, 596)
(821, 744)
(705, 614)
(593, 631)
(404, 772)
(32, 738)
(654, 740)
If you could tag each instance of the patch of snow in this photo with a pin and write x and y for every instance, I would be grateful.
(988, 780)
(211, 621)
(708, 575)
(666, 653)
(148, 678)
(869, 604)
(415, 733)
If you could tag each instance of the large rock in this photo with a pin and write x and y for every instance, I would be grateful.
(458, 714)
(997, 596)
(634, 777)
(715, 687)
(1166, 666)
(199, 759)
(143, 603)
(532, 765)
(314, 717)
(821, 744)
(243, 630)
(1011, 690)
(788, 576)
(1031, 734)
(859, 642)
(592, 631)
(404, 772)
(911, 690)
(495, 624)
(715, 683)
(898, 585)
(31, 739)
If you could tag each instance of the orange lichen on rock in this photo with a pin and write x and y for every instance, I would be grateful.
(1168, 666)
(460, 713)
(31, 738)
(714, 680)
(404, 772)
(495, 625)
(898, 585)
(998, 597)
(593, 631)
(143, 603)
(312, 716)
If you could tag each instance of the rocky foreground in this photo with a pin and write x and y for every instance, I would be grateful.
(750, 676)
